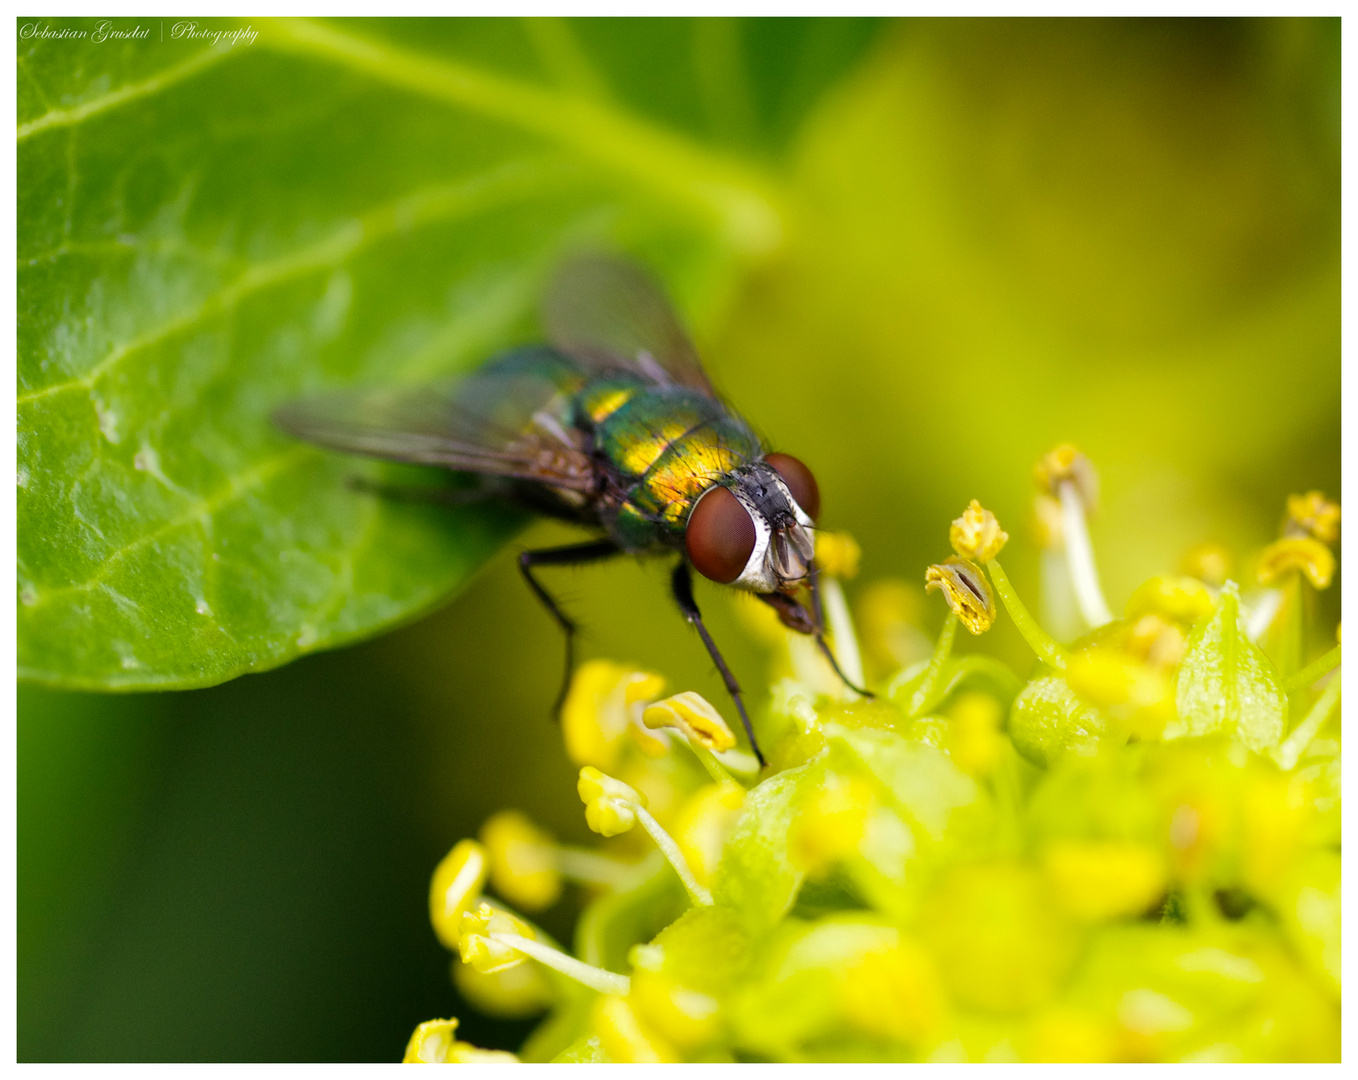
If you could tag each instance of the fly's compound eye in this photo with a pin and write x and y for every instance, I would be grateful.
(719, 537)
(799, 481)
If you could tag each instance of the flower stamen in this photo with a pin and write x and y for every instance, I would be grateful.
(964, 586)
(1069, 476)
(611, 808)
(494, 939)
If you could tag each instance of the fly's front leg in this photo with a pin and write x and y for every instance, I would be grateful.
(570, 555)
(682, 585)
(818, 613)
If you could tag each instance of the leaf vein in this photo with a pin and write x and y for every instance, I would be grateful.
(200, 510)
(411, 211)
(131, 92)
(745, 201)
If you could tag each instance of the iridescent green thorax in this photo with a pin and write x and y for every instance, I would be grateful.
(666, 445)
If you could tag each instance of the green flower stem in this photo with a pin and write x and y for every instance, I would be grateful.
(1295, 744)
(1048, 651)
(1313, 671)
(1288, 631)
(665, 842)
(606, 982)
(841, 629)
(942, 650)
(590, 868)
(1084, 576)
(715, 768)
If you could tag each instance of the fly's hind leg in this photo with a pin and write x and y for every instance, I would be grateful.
(682, 585)
(570, 555)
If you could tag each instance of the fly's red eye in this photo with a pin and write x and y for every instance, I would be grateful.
(719, 536)
(799, 481)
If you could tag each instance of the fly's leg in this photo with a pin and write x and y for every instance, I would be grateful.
(682, 585)
(570, 555)
(818, 611)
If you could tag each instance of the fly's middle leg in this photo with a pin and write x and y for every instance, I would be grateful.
(570, 555)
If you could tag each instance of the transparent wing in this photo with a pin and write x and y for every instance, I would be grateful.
(507, 419)
(612, 314)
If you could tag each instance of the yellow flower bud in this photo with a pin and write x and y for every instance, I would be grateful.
(511, 993)
(1208, 562)
(1106, 677)
(1104, 879)
(1180, 599)
(467, 1054)
(431, 1043)
(456, 885)
(976, 534)
(967, 591)
(838, 554)
(1067, 463)
(603, 703)
(1312, 515)
(692, 715)
(610, 805)
(478, 945)
(623, 1036)
(1303, 554)
(522, 861)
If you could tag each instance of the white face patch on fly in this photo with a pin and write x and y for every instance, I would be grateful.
(760, 574)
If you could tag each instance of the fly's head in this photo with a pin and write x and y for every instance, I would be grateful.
(753, 529)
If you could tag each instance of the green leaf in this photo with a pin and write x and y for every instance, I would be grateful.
(1225, 684)
(705, 949)
(588, 1050)
(206, 231)
(756, 875)
(920, 779)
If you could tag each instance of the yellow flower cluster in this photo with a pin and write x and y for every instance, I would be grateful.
(1131, 856)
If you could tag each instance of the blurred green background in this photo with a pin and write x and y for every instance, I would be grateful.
(1002, 235)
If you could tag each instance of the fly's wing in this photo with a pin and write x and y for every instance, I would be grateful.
(612, 315)
(508, 419)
